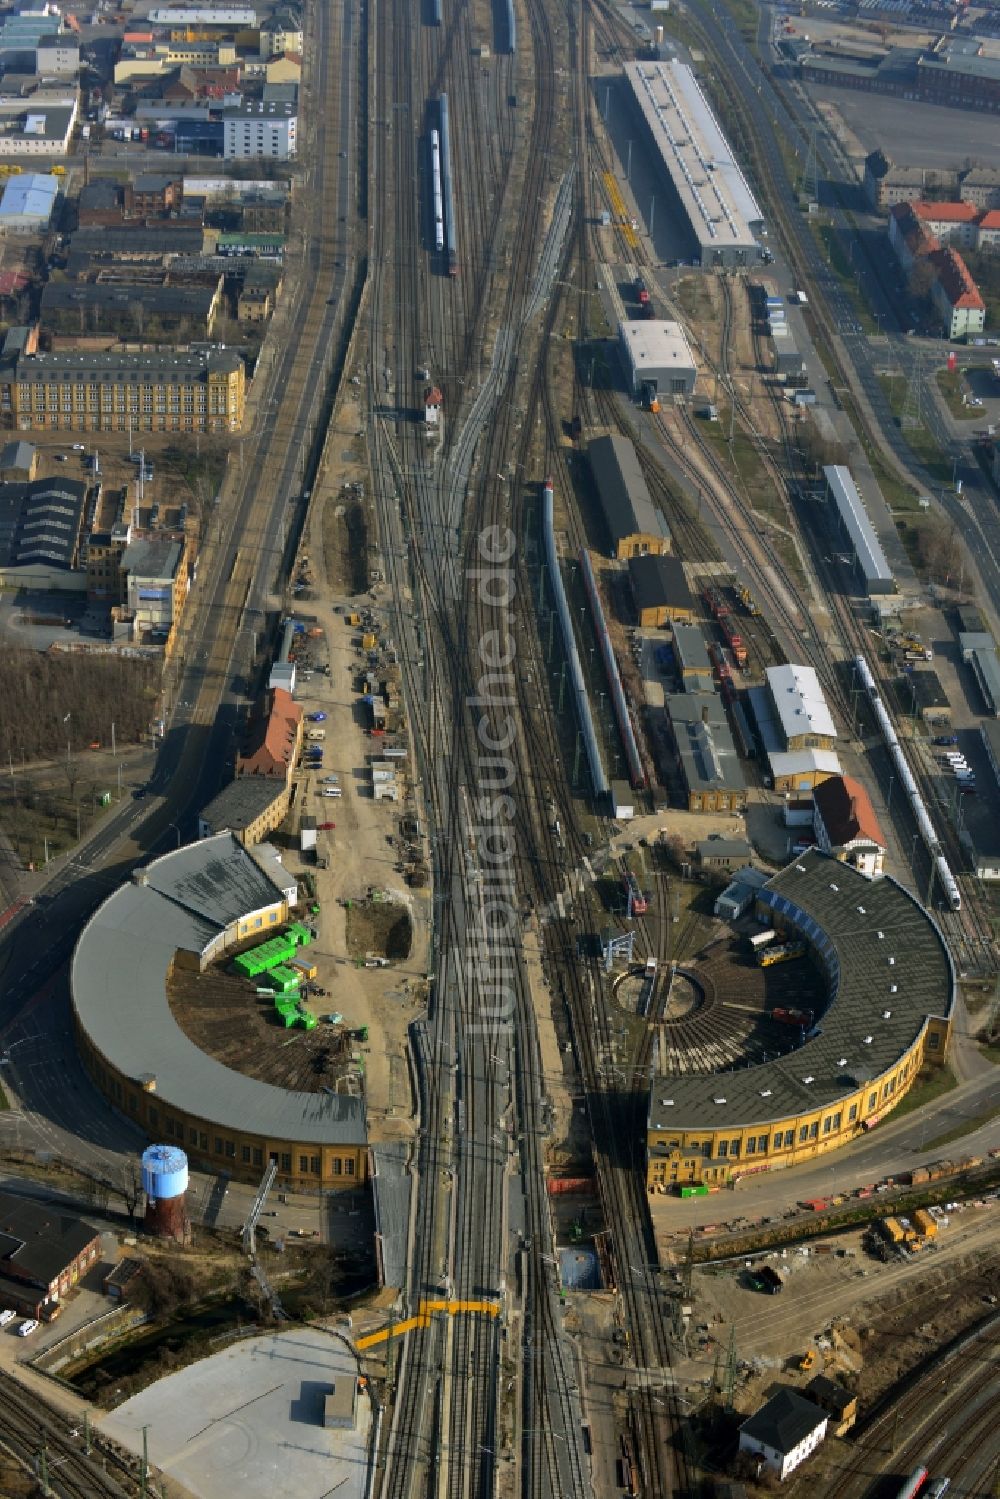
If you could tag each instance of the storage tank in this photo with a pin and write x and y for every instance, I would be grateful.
(165, 1183)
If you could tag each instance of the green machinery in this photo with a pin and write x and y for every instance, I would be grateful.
(268, 955)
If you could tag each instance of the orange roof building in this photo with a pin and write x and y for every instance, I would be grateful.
(274, 737)
(846, 826)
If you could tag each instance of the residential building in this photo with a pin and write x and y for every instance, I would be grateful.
(120, 392)
(801, 708)
(784, 1431)
(635, 525)
(887, 184)
(273, 739)
(44, 1253)
(910, 239)
(28, 203)
(153, 195)
(951, 223)
(660, 590)
(956, 297)
(846, 826)
(281, 32)
(256, 128)
(981, 186)
(251, 807)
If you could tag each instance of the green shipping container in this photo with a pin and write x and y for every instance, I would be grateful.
(697, 1191)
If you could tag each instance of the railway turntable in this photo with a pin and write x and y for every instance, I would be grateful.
(879, 1019)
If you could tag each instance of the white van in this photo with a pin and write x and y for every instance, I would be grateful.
(27, 1327)
(333, 791)
(316, 735)
(7, 1317)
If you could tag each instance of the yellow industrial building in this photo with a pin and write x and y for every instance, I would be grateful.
(890, 984)
(118, 392)
(185, 911)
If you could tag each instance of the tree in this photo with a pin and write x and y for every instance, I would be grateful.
(921, 278)
(130, 1185)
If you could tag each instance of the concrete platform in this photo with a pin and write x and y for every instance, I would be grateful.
(249, 1421)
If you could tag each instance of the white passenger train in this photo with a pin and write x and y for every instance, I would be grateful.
(436, 190)
(902, 770)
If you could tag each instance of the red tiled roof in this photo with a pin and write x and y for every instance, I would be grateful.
(272, 741)
(956, 280)
(946, 213)
(990, 220)
(847, 812)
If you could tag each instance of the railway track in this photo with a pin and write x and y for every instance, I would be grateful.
(445, 1428)
(45, 1441)
(945, 1420)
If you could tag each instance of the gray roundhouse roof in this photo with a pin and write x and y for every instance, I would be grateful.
(856, 1039)
(184, 900)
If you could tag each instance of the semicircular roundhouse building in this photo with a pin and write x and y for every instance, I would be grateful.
(890, 986)
(186, 910)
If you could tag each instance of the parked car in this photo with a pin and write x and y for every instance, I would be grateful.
(27, 1327)
(332, 791)
(6, 1317)
(79, 447)
(325, 827)
(316, 717)
(946, 739)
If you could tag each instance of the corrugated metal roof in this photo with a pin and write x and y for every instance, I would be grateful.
(184, 901)
(32, 195)
(854, 518)
(865, 1029)
(716, 196)
(799, 701)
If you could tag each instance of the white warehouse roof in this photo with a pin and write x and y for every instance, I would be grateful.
(855, 521)
(31, 195)
(656, 341)
(799, 701)
(722, 210)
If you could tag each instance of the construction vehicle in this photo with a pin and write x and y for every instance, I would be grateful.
(808, 1361)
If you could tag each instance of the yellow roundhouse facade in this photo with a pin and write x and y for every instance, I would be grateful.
(890, 986)
(717, 1156)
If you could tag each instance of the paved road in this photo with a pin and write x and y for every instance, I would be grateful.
(976, 514)
(205, 721)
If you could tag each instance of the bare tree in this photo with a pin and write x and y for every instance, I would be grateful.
(130, 1185)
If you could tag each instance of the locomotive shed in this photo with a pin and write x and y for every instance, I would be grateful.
(890, 986)
(160, 935)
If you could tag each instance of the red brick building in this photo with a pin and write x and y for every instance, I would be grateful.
(44, 1252)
